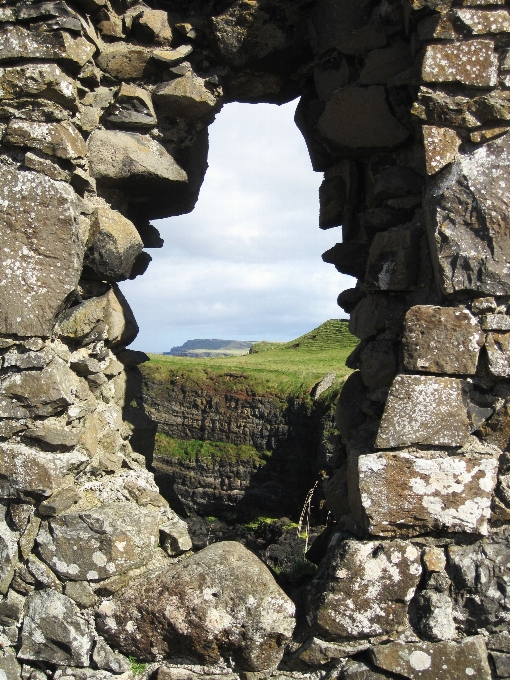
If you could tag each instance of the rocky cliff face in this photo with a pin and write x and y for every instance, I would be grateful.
(104, 108)
(294, 440)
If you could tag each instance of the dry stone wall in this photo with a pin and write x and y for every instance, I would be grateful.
(104, 109)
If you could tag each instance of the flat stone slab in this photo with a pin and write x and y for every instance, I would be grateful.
(435, 661)
(406, 493)
(424, 410)
(441, 340)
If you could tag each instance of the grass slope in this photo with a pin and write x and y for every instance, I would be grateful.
(192, 449)
(273, 369)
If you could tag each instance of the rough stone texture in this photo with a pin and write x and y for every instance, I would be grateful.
(466, 211)
(40, 217)
(8, 553)
(27, 471)
(220, 603)
(55, 139)
(362, 589)
(411, 492)
(38, 80)
(53, 631)
(114, 250)
(132, 108)
(498, 352)
(469, 63)
(359, 118)
(441, 147)
(99, 543)
(439, 661)
(441, 340)
(424, 410)
(185, 97)
(136, 164)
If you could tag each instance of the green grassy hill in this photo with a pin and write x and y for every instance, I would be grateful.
(272, 369)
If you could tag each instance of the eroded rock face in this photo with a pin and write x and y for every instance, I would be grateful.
(363, 589)
(220, 603)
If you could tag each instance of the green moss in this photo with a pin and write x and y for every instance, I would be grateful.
(259, 524)
(137, 667)
(282, 370)
(194, 449)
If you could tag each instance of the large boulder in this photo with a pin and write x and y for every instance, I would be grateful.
(17, 42)
(99, 543)
(467, 214)
(141, 167)
(55, 139)
(38, 80)
(221, 603)
(186, 97)
(53, 631)
(363, 589)
(41, 244)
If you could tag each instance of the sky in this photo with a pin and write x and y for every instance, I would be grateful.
(246, 263)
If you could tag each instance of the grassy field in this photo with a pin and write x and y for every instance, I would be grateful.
(272, 369)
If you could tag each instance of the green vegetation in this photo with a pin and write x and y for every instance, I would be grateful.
(274, 369)
(193, 449)
(137, 667)
(259, 524)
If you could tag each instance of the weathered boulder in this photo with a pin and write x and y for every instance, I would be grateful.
(43, 393)
(133, 108)
(107, 317)
(38, 80)
(99, 543)
(375, 313)
(441, 147)
(441, 340)
(382, 64)
(55, 139)
(359, 118)
(124, 61)
(186, 97)
(406, 493)
(17, 42)
(424, 410)
(378, 363)
(220, 603)
(152, 26)
(362, 589)
(105, 658)
(141, 167)
(53, 631)
(466, 211)
(26, 471)
(435, 661)
(42, 241)
(116, 246)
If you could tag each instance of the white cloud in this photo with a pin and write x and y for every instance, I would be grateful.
(246, 263)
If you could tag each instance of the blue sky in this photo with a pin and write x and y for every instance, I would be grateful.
(246, 263)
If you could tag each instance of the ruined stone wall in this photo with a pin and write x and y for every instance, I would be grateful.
(104, 108)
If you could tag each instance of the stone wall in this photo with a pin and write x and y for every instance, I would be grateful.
(104, 108)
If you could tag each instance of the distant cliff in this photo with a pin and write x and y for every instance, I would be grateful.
(211, 348)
